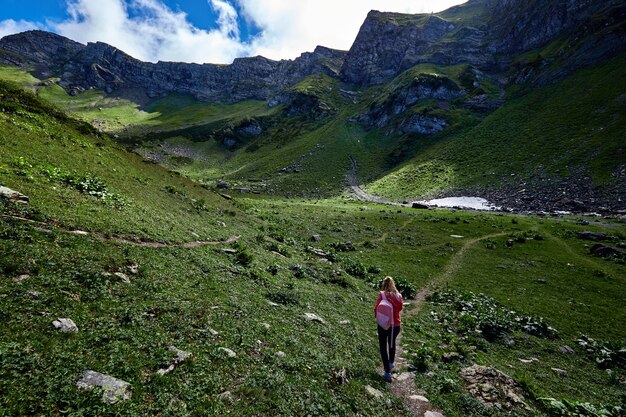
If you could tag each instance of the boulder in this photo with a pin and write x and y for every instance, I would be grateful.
(228, 352)
(433, 414)
(419, 398)
(13, 195)
(607, 251)
(492, 387)
(20, 278)
(421, 206)
(65, 325)
(314, 317)
(113, 389)
(586, 235)
(315, 238)
(123, 277)
(373, 392)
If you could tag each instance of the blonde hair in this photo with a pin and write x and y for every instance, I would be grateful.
(389, 286)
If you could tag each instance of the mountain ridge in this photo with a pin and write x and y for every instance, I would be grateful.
(488, 34)
(99, 65)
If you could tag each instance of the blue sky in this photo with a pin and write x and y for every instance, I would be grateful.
(201, 31)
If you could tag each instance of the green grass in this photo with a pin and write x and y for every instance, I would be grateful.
(540, 131)
(180, 294)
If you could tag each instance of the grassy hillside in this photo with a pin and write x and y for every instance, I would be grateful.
(538, 137)
(545, 134)
(250, 294)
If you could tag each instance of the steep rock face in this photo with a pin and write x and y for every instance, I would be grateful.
(484, 33)
(102, 66)
(389, 43)
(422, 87)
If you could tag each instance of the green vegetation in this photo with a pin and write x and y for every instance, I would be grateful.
(537, 136)
(142, 258)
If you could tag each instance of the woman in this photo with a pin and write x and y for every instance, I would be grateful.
(387, 338)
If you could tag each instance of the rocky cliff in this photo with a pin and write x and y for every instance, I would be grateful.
(100, 65)
(487, 34)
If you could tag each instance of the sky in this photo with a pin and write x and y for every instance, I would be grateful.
(205, 31)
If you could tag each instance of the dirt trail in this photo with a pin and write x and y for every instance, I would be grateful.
(403, 385)
(355, 187)
(45, 227)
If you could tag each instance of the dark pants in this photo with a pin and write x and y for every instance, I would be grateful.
(387, 344)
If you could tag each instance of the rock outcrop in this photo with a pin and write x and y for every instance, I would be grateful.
(486, 34)
(422, 87)
(98, 65)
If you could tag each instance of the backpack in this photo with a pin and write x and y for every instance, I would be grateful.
(384, 312)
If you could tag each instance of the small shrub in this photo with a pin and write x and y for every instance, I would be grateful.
(244, 257)
(284, 297)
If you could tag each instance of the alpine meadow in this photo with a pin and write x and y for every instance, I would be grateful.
(182, 239)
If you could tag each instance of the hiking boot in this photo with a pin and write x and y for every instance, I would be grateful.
(387, 377)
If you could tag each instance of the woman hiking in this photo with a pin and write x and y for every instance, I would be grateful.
(387, 314)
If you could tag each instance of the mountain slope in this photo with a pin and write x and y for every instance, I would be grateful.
(412, 87)
(545, 147)
(98, 65)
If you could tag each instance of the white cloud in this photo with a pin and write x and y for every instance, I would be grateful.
(151, 31)
(10, 26)
(154, 32)
(292, 27)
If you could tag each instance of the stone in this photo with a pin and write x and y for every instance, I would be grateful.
(79, 233)
(280, 354)
(225, 396)
(315, 238)
(317, 252)
(567, 349)
(451, 357)
(373, 392)
(344, 322)
(133, 269)
(586, 235)
(528, 361)
(492, 387)
(419, 398)
(113, 389)
(314, 317)
(433, 414)
(13, 195)
(607, 251)
(558, 371)
(123, 277)
(341, 376)
(266, 326)
(65, 325)
(20, 278)
(180, 357)
(213, 332)
(228, 352)
(457, 236)
(272, 304)
(421, 206)
(404, 376)
(33, 293)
